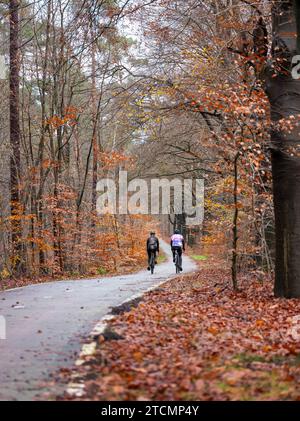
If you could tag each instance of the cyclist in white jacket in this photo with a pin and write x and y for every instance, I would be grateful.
(177, 243)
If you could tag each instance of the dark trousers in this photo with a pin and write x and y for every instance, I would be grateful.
(149, 251)
(179, 249)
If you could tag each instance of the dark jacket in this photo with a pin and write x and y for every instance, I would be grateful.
(153, 240)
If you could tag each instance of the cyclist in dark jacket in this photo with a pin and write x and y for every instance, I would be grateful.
(152, 247)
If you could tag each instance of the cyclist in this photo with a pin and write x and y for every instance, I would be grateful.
(177, 243)
(152, 247)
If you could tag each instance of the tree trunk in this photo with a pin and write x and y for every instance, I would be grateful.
(15, 160)
(284, 95)
(95, 135)
(235, 226)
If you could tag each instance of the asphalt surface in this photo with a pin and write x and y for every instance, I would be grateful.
(45, 324)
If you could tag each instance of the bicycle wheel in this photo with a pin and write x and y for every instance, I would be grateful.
(152, 263)
(177, 262)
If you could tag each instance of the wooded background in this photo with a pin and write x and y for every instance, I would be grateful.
(168, 88)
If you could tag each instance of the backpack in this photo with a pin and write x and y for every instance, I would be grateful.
(152, 243)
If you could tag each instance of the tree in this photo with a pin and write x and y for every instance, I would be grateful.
(284, 95)
(15, 160)
(68, 126)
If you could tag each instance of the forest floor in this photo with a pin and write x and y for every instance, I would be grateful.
(196, 339)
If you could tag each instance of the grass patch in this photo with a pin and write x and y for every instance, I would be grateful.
(275, 359)
(101, 271)
(249, 358)
(199, 257)
(161, 258)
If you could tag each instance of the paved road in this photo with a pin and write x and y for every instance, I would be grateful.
(46, 322)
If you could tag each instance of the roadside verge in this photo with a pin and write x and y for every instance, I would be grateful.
(193, 338)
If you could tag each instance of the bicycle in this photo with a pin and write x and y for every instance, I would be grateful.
(177, 262)
(152, 262)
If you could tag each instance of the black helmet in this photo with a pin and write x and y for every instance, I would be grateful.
(177, 231)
